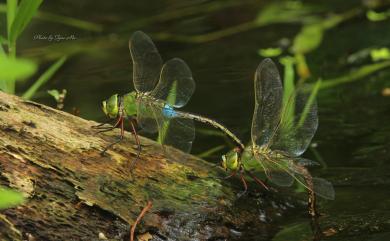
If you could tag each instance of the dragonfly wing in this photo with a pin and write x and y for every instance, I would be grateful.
(268, 102)
(149, 116)
(323, 188)
(298, 124)
(178, 133)
(176, 84)
(320, 186)
(147, 62)
(276, 169)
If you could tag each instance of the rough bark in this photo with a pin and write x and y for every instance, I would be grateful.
(74, 193)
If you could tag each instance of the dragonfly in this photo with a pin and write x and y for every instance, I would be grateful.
(280, 134)
(160, 90)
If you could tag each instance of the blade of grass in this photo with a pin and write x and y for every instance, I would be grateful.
(11, 12)
(44, 78)
(210, 151)
(65, 20)
(309, 102)
(355, 75)
(26, 10)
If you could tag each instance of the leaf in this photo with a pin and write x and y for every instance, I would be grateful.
(308, 39)
(11, 69)
(55, 94)
(44, 78)
(270, 52)
(10, 198)
(11, 12)
(26, 10)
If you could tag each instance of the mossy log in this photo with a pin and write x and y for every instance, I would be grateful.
(74, 193)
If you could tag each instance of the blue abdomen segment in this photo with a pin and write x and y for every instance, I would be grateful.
(169, 112)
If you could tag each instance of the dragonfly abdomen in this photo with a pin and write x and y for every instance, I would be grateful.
(169, 112)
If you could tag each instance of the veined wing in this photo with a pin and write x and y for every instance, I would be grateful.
(298, 123)
(268, 102)
(319, 186)
(275, 168)
(172, 130)
(147, 62)
(148, 117)
(176, 84)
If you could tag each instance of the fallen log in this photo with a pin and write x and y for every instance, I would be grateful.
(75, 193)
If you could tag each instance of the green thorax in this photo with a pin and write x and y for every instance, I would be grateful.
(129, 103)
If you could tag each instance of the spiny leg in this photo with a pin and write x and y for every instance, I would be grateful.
(139, 148)
(120, 123)
(105, 129)
(258, 181)
(101, 125)
(232, 174)
(244, 183)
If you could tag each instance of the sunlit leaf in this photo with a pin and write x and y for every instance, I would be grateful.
(11, 12)
(308, 39)
(11, 69)
(380, 54)
(10, 198)
(270, 52)
(375, 17)
(26, 10)
(55, 94)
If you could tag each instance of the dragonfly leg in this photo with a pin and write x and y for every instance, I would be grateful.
(101, 125)
(105, 129)
(120, 123)
(257, 180)
(244, 183)
(231, 175)
(139, 148)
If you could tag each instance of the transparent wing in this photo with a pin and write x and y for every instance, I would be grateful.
(298, 124)
(319, 186)
(275, 168)
(176, 84)
(268, 102)
(178, 133)
(148, 118)
(147, 62)
(172, 130)
(323, 188)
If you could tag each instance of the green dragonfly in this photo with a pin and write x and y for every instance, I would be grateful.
(279, 136)
(159, 90)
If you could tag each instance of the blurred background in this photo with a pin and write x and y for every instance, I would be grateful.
(82, 47)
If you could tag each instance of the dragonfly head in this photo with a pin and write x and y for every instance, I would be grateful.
(110, 106)
(230, 161)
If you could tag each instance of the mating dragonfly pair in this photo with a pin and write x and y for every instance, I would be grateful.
(277, 141)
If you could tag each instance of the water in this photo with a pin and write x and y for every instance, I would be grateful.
(353, 139)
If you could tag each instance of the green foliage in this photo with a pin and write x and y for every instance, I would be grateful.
(283, 12)
(14, 69)
(270, 52)
(309, 103)
(308, 39)
(375, 17)
(10, 198)
(11, 12)
(25, 11)
(44, 78)
(355, 75)
(380, 54)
